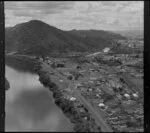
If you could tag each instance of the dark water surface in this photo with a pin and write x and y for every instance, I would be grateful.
(29, 105)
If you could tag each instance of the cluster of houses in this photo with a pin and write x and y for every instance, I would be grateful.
(106, 88)
(97, 96)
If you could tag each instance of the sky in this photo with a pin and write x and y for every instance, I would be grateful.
(68, 15)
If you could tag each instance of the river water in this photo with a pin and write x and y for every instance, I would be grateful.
(29, 106)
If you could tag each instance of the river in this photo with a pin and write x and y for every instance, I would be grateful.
(29, 106)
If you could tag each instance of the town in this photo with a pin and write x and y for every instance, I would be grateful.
(105, 85)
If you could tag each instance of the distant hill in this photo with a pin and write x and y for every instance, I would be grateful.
(101, 34)
(136, 34)
(37, 37)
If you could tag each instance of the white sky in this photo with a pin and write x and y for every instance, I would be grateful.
(67, 15)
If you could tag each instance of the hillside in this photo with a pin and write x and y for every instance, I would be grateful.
(37, 37)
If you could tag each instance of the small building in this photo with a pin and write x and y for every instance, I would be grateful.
(85, 118)
(79, 85)
(106, 50)
(97, 95)
(72, 99)
(101, 104)
(90, 89)
(113, 118)
(127, 95)
(61, 80)
(135, 95)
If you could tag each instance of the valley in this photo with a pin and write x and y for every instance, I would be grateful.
(95, 76)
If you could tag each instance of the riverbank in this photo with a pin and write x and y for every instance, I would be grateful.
(73, 109)
(7, 85)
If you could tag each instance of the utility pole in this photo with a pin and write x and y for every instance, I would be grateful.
(2, 68)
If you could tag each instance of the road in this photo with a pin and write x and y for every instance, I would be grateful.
(20, 55)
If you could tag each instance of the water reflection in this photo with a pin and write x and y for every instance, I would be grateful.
(30, 107)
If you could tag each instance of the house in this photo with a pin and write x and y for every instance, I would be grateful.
(114, 118)
(115, 84)
(101, 105)
(72, 99)
(135, 95)
(127, 95)
(79, 85)
(106, 50)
